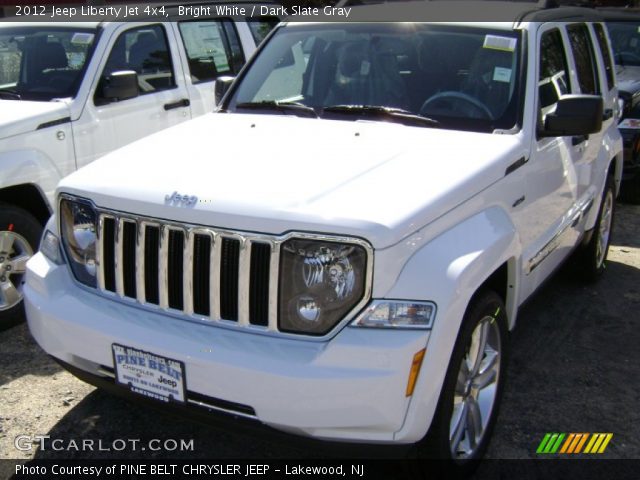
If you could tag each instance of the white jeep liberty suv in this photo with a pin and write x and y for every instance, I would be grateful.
(340, 251)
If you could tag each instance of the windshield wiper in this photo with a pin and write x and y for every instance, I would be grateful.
(279, 106)
(9, 94)
(383, 112)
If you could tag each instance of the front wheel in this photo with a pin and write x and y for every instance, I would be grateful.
(19, 239)
(473, 385)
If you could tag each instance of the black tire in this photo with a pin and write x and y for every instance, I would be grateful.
(590, 260)
(21, 222)
(485, 307)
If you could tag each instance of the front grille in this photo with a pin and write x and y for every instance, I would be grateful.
(203, 273)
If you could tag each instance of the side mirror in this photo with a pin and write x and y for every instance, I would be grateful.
(574, 115)
(120, 85)
(222, 86)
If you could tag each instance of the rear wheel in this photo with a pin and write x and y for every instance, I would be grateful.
(473, 386)
(19, 239)
(590, 260)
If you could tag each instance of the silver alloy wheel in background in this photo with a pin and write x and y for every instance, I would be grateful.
(476, 389)
(605, 228)
(14, 253)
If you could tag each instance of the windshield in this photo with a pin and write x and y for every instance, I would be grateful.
(460, 77)
(625, 42)
(42, 63)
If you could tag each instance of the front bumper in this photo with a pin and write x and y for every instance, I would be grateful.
(351, 387)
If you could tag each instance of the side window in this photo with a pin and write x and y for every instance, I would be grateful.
(583, 54)
(606, 54)
(144, 50)
(209, 49)
(554, 78)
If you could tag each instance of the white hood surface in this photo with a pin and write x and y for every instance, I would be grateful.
(280, 173)
(21, 116)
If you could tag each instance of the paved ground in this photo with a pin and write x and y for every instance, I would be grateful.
(574, 367)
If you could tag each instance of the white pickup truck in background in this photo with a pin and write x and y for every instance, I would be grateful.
(69, 94)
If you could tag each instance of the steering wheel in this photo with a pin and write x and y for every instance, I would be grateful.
(627, 56)
(456, 97)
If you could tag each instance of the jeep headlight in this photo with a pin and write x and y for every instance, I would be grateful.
(78, 231)
(320, 283)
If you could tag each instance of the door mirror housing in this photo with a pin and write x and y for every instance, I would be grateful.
(222, 86)
(574, 115)
(120, 85)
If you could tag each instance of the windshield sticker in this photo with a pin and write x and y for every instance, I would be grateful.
(501, 74)
(364, 68)
(82, 38)
(495, 42)
(633, 42)
(630, 123)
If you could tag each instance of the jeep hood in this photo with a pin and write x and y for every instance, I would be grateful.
(279, 173)
(21, 116)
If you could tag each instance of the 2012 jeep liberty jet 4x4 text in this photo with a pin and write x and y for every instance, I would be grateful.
(340, 251)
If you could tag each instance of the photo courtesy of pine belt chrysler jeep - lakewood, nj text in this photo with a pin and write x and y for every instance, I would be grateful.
(357, 280)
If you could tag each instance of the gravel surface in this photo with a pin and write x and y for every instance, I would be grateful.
(574, 367)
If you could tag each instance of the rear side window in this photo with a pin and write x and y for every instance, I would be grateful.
(606, 54)
(212, 49)
(583, 54)
(554, 78)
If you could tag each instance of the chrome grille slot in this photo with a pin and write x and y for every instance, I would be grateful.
(108, 260)
(151, 264)
(175, 265)
(201, 274)
(259, 283)
(129, 254)
(230, 259)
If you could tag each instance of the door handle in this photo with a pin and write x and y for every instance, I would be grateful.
(180, 103)
(607, 114)
(578, 139)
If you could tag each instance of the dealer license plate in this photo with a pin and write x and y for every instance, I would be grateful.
(148, 374)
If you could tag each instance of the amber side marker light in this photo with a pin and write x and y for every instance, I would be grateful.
(415, 370)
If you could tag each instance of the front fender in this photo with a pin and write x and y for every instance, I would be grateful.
(448, 270)
(41, 158)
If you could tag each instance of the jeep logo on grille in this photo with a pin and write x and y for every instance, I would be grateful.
(178, 200)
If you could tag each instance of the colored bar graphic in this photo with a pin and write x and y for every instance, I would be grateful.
(581, 443)
(543, 443)
(594, 437)
(567, 442)
(573, 443)
(606, 442)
